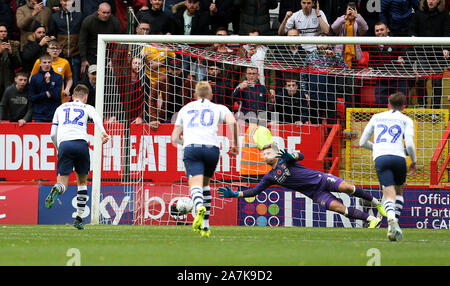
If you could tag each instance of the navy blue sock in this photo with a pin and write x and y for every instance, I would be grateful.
(356, 214)
(360, 193)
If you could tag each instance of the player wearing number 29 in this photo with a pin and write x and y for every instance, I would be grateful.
(198, 121)
(389, 129)
(70, 139)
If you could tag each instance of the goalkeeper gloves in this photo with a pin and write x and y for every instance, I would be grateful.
(227, 192)
(286, 157)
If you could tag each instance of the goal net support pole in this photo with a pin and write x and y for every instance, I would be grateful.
(97, 163)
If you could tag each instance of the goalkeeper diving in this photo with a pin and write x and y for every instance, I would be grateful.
(289, 173)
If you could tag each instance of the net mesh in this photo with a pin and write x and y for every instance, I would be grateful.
(299, 97)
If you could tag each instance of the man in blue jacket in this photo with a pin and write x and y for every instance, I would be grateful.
(431, 20)
(45, 91)
(250, 95)
(397, 15)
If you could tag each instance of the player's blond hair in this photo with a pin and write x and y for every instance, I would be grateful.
(80, 91)
(203, 89)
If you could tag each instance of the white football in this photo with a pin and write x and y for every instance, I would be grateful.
(184, 205)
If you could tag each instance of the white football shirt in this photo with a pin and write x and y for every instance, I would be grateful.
(390, 128)
(306, 25)
(71, 121)
(199, 120)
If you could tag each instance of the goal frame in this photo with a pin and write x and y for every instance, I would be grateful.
(104, 39)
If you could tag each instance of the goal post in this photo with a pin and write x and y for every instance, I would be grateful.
(139, 157)
(97, 162)
(273, 40)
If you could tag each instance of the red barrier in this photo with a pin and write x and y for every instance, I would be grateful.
(19, 204)
(27, 153)
(435, 174)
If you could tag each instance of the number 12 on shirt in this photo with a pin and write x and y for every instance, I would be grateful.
(80, 113)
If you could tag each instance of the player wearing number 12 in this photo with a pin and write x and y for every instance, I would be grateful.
(198, 121)
(389, 129)
(70, 139)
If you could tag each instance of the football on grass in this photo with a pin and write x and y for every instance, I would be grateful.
(184, 205)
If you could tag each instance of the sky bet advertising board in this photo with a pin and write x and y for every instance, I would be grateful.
(423, 208)
(114, 206)
(24, 204)
(121, 204)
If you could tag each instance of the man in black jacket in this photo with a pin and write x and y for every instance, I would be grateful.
(160, 22)
(431, 20)
(289, 5)
(220, 12)
(386, 58)
(35, 47)
(15, 105)
(221, 86)
(189, 20)
(255, 14)
(291, 104)
(9, 58)
(101, 22)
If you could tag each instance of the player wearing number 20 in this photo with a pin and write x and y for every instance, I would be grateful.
(69, 136)
(389, 129)
(198, 121)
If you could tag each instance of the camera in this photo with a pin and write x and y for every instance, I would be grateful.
(5, 40)
(352, 5)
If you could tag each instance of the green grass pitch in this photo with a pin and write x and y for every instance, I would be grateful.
(107, 245)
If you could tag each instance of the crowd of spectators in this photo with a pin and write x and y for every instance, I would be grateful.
(53, 43)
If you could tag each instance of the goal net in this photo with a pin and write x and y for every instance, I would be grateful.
(315, 102)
